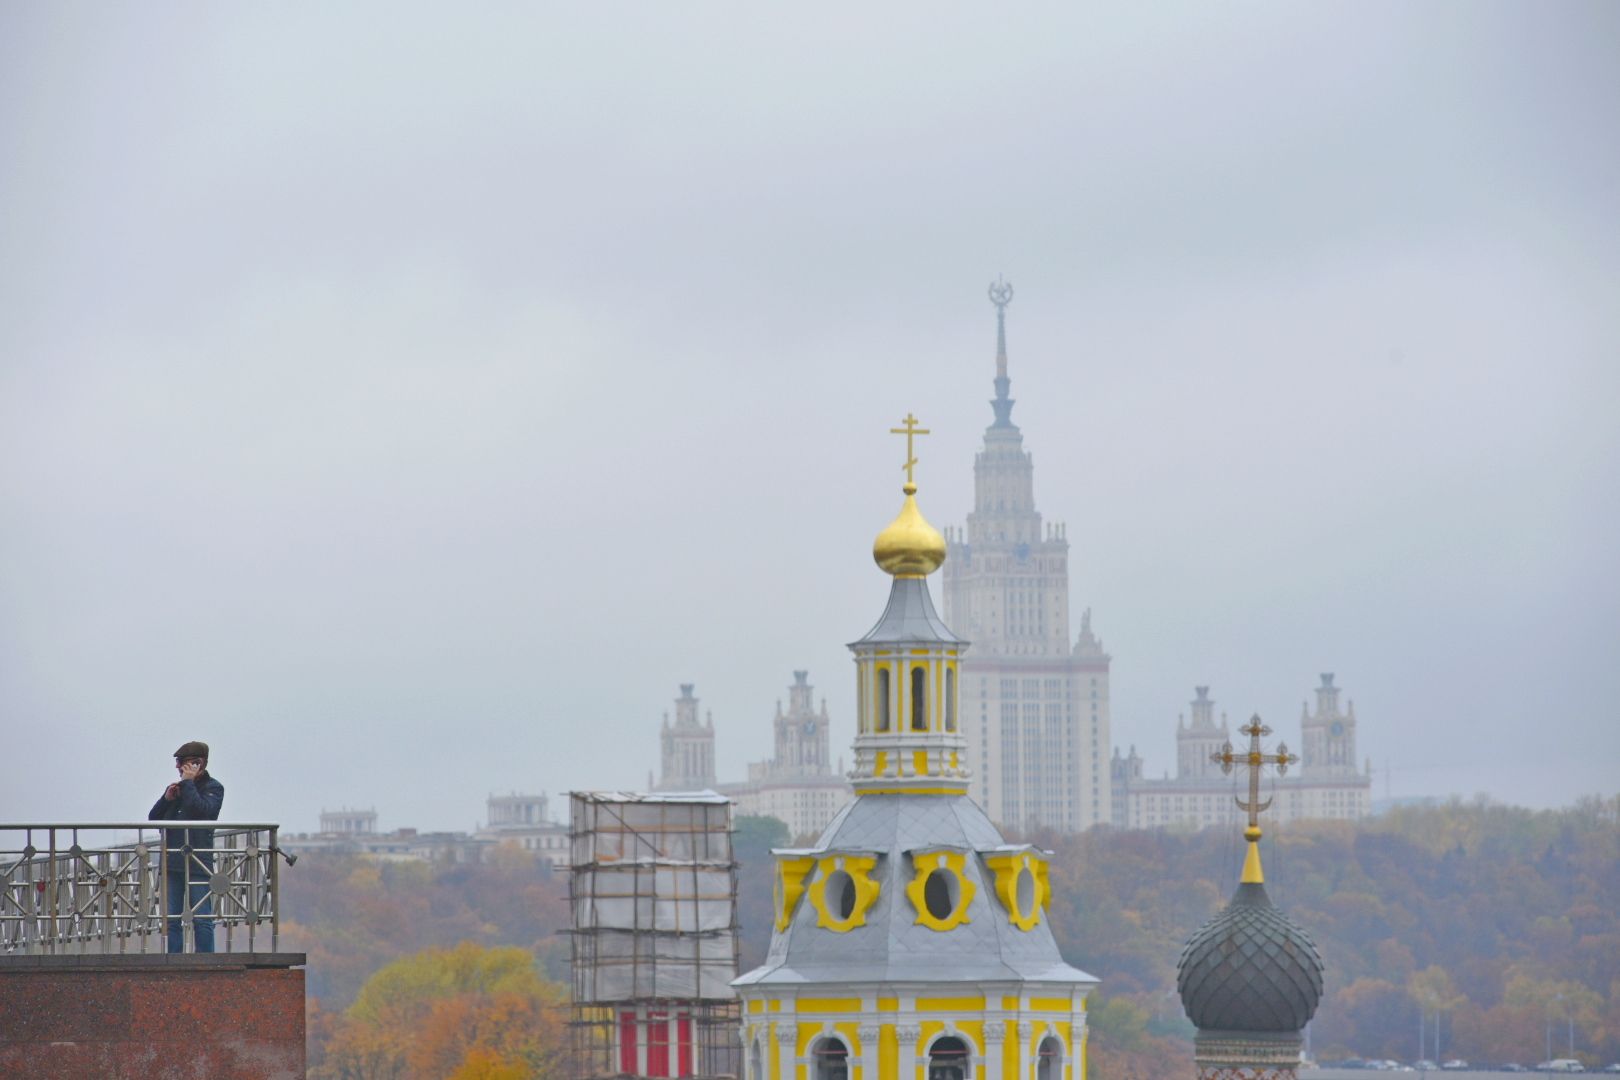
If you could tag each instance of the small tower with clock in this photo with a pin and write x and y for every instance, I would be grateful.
(1329, 734)
(802, 733)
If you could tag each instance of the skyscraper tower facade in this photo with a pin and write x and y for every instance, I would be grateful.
(686, 758)
(1198, 742)
(1034, 701)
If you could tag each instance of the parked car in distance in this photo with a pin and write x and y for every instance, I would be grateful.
(1562, 1065)
(1455, 1064)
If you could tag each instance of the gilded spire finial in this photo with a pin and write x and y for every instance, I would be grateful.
(1255, 761)
(910, 546)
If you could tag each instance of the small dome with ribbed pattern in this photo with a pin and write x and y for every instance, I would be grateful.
(1250, 968)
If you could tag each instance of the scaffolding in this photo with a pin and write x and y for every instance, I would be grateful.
(653, 898)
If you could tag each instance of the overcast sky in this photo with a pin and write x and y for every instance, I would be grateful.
(406, 401)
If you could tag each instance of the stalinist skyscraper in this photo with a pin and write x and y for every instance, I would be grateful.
(1034, 701)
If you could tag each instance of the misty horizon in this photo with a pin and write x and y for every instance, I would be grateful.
(406, 405)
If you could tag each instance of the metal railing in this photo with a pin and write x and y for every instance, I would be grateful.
(127, 887)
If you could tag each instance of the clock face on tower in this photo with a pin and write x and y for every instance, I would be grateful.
(1337, 728)
(809, 727)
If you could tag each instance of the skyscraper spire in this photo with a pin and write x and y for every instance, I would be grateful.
(1001, 294)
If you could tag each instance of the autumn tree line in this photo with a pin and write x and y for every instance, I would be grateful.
(1482, 927)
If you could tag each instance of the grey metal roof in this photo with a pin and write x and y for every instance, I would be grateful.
(910, 616)
(892, 946)
(1250, 968)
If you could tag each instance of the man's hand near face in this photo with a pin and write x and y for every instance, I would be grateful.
(190, 769)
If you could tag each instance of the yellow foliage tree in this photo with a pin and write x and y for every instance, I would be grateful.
(470, 1012)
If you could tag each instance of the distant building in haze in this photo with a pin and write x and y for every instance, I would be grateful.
(1325, 784)
(525, 821)
(1034, 702)
(798, 784)
(349, 822)
(686, 761)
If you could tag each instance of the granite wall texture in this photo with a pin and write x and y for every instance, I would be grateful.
(236, 1015)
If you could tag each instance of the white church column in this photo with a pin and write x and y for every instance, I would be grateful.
(908, 1034)
(869, 1034)
(995, 1036)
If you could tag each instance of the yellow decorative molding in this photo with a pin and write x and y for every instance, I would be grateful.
(1022, 912)
(828, 1005)
(789, 886)
(950, 1004)
(859, 868)
(926, 864)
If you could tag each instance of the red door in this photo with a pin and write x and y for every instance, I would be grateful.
(683, 1032)
(627, 1042)
(657, 1044)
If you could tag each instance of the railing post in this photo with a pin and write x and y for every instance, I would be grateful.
(50, 889)
(275, 889)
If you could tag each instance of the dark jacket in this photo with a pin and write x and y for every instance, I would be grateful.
(199, 800)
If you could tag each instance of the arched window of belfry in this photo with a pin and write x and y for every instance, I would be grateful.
(948, 1059)
(756, 1062)
(919, 698)
(883, 699)
(950, 700)
(1049, 1060)
(830, 1060)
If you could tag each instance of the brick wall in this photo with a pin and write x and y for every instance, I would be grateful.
(153, 1017)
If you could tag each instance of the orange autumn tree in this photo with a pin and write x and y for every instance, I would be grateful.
(469, 1012)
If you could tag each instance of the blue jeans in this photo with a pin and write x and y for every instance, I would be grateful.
(200, 902)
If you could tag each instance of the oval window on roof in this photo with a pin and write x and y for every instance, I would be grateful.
(939, 890)
(1026, 888)
(844, 891)
(840, 895)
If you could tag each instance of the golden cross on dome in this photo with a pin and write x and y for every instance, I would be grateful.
(1255, 760)
(910, 431)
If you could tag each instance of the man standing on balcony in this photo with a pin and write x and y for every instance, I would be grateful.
(196, 796)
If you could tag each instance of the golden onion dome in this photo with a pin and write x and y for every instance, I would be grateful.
(909, 546)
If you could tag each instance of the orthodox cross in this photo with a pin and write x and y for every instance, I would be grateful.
(1255, 760)
(910, 431)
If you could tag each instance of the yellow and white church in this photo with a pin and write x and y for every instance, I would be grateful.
(911, 941)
